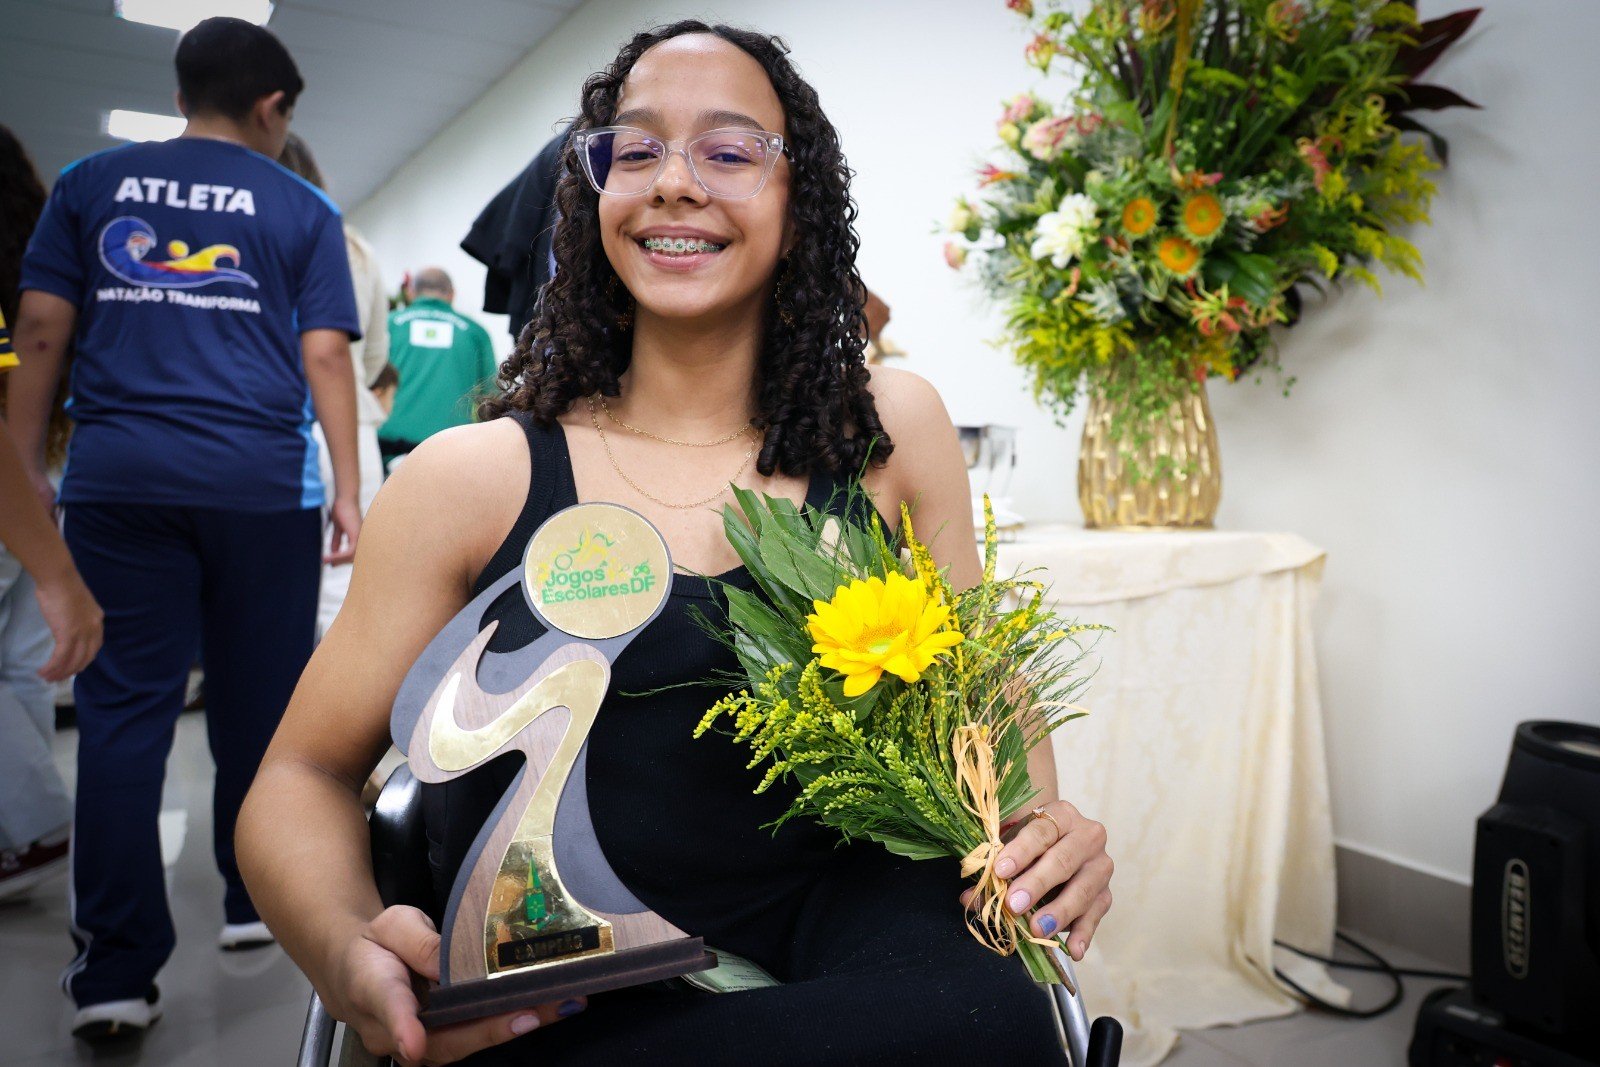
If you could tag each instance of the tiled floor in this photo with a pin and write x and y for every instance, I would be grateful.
(246, 1010)
(1312, 1039)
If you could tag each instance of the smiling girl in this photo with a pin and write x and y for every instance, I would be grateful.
(704, 328)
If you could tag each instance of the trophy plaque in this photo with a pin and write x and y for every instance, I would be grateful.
(536, 913)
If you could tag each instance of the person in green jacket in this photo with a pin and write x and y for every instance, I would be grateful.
(445, 361)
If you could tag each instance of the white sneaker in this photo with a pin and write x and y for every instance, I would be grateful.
(237, 937)
(114, 1020)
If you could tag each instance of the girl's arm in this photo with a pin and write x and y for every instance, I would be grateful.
(928, 471)
(1060, 861)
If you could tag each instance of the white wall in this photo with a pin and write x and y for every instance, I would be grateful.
(1441, 442)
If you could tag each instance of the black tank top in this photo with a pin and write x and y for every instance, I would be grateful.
(676, 817)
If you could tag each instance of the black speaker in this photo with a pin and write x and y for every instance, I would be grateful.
(1535, 994)
(1536, 885)
(1453, 1031)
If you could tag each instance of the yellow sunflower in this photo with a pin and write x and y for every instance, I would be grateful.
(1202, 216)
(1178, 256)
(894, 624)
(1139, 216)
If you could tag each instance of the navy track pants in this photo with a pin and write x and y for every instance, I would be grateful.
(238, 589)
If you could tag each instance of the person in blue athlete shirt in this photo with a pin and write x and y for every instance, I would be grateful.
(207, 294)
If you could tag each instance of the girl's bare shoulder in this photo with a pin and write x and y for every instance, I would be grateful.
(914, 416)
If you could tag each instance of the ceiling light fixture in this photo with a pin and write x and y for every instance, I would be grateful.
(183, 15)
(142, 125)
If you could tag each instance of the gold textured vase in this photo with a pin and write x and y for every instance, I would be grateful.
(1183, 443)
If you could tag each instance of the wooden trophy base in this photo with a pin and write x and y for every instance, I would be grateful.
(589, 974)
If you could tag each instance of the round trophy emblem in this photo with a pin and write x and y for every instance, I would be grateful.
(596, 571)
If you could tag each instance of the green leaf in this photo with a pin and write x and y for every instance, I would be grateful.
(797, 565)
(917, 850)
(1215, 77)
(1039, 967)
(1126, 113)
(740, 535)
(754, 616)
(1251, 276)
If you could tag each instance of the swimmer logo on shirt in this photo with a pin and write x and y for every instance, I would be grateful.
(126, 244)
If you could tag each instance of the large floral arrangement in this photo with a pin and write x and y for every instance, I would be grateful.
(902, 710)
(1213, 156)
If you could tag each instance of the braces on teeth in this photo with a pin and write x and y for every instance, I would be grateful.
(680, 244)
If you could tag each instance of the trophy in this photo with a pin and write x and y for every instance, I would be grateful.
(536, 913)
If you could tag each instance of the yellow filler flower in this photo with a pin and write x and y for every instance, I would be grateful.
(878, 625)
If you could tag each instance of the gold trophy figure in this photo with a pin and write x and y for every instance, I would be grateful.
(536, 913)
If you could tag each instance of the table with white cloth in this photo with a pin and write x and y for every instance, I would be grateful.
(1203, 756)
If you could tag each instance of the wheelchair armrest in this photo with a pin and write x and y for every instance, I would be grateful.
(1099, 1045)
(316, 1040)
(400, 844)
(400, 869)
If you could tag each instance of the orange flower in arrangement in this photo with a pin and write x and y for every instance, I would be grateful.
(1198, 179)
(1220, 316)
(1202, 216)
(1139, 217)
(1317, 159)
(1284, 18)
(1040, 51)
(1270, 217)
(1073, 281)
(1178, 256)
(989, 174)
(1156, 15)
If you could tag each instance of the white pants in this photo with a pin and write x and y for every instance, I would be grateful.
(336, 580)
(33, 798)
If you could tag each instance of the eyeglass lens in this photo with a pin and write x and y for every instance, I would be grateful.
(729, 163)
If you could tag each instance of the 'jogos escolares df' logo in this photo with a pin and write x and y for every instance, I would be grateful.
(589, 570)
(126, 243)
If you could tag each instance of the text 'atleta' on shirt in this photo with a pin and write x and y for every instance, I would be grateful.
(195, 265)
(196, 197)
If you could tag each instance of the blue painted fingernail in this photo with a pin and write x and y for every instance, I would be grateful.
(1019, 901)
(1005, 867)
(1047, 925)
(570, 1008)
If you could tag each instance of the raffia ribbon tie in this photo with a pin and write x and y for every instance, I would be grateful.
(989, 920)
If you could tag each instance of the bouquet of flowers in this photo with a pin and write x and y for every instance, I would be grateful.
(903, 710)
(1212, 156)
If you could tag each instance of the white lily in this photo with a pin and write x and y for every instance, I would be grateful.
(1062, 234)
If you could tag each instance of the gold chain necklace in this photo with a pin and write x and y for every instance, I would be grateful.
(667, 440)
(642, 491)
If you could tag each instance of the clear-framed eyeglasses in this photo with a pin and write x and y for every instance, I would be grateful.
(732, 164)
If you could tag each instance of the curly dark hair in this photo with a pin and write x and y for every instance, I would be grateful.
(22, 199)
(812, 397)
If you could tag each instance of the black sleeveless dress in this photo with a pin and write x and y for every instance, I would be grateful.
(877, 965)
